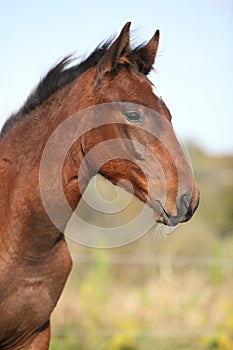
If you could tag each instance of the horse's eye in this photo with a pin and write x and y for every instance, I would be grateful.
(134, 116)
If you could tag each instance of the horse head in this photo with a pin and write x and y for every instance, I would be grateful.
(136, 141)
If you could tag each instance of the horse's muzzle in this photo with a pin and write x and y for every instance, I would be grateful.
(185, 209)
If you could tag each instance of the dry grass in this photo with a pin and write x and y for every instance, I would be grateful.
(119, 305)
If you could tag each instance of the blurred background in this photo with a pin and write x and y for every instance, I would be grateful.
(159, 292)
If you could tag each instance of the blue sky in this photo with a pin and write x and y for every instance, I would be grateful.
(194, 69)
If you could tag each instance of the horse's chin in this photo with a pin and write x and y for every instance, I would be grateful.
(167, 221)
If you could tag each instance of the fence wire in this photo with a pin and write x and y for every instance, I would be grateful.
(160, 260)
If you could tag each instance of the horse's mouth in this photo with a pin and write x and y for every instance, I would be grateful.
(163, 217)
(184, 211)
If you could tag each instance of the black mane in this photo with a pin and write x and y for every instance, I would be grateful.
(58, 77)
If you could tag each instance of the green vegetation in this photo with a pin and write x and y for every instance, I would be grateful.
(157, 293)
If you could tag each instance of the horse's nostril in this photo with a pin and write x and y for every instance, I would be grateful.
(183, 203)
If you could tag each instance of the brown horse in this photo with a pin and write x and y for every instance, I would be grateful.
(34, 259)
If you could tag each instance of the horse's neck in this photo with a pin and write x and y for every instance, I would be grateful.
(20, 155)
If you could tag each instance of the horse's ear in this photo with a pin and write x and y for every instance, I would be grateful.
(116, 53)
(144, 56)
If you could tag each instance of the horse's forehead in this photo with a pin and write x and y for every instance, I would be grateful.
(132, 82)
(143, 88)
(131, 85)
(155, 91)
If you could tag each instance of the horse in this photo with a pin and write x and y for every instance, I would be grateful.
(34, 258)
